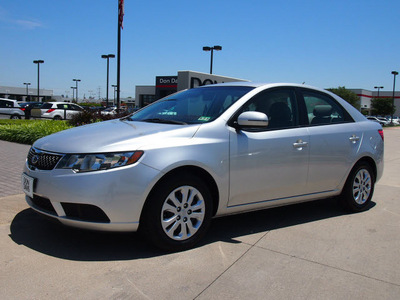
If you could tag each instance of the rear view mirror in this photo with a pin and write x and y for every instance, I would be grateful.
(252, 119)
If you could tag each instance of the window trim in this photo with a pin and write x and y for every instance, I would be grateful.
(232, 122)
(304, 113)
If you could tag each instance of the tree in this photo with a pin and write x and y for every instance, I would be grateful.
(382, 107)
(347, 95)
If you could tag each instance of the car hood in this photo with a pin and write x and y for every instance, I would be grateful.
(112, 136)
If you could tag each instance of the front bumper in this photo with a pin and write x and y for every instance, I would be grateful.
(110, 200)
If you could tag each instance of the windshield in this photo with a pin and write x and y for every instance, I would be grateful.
(194, 106)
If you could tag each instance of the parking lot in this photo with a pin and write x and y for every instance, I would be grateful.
(307, 251)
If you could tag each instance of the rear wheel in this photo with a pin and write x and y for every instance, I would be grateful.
(15, 117)
(177, 213)
(359, 188)
(57, 118)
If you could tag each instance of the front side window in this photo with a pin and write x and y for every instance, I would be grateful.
(323, 110)
(279, 105)
(194, 106)
(46, 106)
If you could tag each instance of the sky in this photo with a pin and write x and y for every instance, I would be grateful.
(324, 43)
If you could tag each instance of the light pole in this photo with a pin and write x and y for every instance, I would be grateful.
(378, 87)
(73, 92)
(27, 93)
(114, 86)
(394, 86)
(76, 81)
(108, 59)
(38, 62)
(218, 48)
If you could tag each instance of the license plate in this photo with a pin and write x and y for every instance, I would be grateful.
(27, 184)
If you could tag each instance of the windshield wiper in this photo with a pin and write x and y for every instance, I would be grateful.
(165, 121)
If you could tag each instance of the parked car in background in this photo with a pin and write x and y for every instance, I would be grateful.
(26, 107)
(112, 111)
(382, 121)
(206, 152)
(56, 110)
(396, 120)
(10, 108)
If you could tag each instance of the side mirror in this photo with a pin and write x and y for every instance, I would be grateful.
(252, 119)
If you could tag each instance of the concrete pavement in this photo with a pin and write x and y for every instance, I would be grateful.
(308, 251)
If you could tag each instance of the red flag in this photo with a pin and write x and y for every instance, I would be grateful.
(121, 13)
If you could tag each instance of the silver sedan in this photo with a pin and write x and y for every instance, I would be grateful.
(171, 167)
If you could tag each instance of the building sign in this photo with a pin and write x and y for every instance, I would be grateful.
(196, 82)
(166, 85)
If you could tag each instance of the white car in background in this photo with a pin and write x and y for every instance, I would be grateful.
(57, 111)
(11, 108)
(381, 121)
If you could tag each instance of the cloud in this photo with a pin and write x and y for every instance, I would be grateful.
(26, 24)
(21, 24)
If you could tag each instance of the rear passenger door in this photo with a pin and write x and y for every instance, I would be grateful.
(334, 141)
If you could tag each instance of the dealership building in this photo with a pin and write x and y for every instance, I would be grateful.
(25, 93)
(166, 85)
(366, 96)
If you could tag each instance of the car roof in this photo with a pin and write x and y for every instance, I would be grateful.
(264, 85)
(8, 99)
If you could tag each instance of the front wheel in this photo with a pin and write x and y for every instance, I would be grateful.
(359, 188)
(177, 213)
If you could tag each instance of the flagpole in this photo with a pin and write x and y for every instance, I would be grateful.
(120, 20)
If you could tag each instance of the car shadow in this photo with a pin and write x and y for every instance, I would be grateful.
(52, 238)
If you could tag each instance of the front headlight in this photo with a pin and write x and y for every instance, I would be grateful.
(100, 161)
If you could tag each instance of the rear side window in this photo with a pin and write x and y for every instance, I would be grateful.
(62, 106)
(323, 110)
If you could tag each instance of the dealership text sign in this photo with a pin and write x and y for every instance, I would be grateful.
(195, 82)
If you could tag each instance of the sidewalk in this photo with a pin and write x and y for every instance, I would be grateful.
(12, 158)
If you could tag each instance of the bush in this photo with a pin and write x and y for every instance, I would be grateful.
(88, 117)
(28, 131)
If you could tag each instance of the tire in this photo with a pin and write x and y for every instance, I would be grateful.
(57, 118)
(359, 188)
(15, 117)
(177, 213)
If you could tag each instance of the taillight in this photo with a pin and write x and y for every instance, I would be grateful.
(381, 134)
(21, 108)
(50, 110)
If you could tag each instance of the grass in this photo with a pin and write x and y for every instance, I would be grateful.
(28, 131)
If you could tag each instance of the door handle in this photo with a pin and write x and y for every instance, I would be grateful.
(300, 144)
(354, 139)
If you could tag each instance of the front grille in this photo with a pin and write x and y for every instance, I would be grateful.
(42, 160)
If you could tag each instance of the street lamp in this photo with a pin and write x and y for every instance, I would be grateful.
(218, 48)
(108, 58)
(114, 86)
(38, 62)
(27, 93)
(378, 87)
(73, 92)
(394, 86)
(76, 81)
